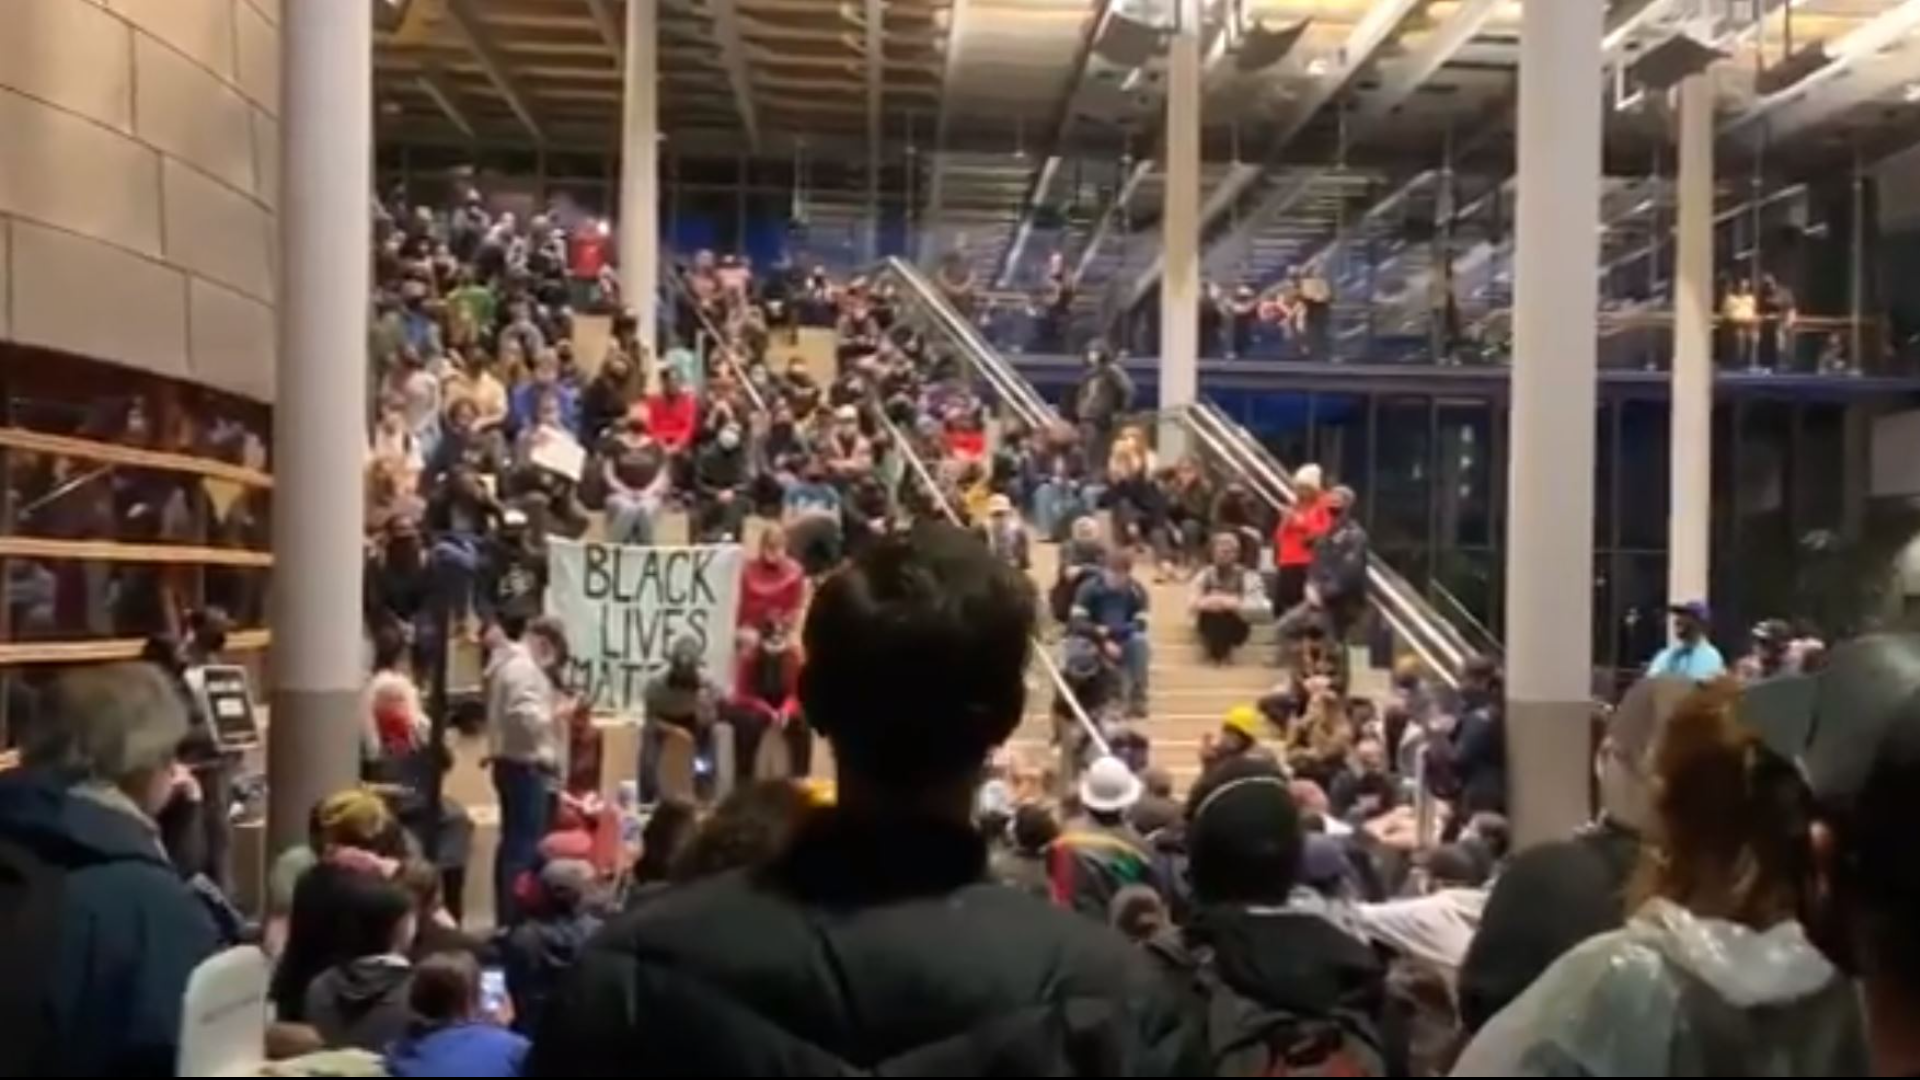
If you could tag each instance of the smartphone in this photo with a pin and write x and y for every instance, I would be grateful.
(493, 992)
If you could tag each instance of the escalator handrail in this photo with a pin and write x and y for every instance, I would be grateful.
(1384, 579)
(1019, 393)
(1432, 651)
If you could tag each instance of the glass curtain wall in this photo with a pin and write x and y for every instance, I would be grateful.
(1792, 537)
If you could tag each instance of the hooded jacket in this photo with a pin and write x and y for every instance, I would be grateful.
(362, 1005)
(1673, 994)
(130, 932)
(868, 949)
(537, 956)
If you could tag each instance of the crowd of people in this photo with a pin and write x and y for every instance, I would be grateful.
(1737, 909)
(1335, 894)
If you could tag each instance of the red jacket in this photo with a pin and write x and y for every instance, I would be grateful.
(768, 590)
(673, 421)
(1300, 530)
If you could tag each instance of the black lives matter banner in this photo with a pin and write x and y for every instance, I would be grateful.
(625, 607)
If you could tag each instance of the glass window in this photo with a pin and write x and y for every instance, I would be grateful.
(1281, 421)
(1403, 474)
(1342, 440)
(1605, 472)
(1819, 469)
(1644, 474)
(1464, 491)
(1640, 599)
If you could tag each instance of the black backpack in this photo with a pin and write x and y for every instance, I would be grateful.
(1246, 1038)
(31, 891)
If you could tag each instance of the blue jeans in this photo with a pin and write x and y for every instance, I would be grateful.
(630, 519)
(1055, 508)
(456, 571)
(525, 808)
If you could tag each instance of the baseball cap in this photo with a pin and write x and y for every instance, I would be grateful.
(1696, 610)
(1110, 787)
(1853, 723)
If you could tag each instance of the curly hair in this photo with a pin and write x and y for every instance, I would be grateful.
(1732, 836)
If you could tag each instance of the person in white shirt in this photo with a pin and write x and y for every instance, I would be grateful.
(526, 742)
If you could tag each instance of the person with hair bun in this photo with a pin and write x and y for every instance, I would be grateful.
(1714, 974)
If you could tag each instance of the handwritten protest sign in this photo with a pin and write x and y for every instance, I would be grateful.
(625, 607)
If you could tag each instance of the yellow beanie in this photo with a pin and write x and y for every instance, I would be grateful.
(1246, 720)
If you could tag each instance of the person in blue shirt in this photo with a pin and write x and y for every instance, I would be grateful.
(524, 408)
(1111, 610)
(451, 1035)
(1691, 656)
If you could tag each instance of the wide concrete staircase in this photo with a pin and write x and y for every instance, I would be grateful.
(1189, 697)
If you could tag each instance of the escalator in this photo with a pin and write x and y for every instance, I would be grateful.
(1433, 625)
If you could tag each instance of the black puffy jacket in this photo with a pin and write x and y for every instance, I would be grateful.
(867, 950)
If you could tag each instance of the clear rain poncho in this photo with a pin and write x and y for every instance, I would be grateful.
(1676, 995)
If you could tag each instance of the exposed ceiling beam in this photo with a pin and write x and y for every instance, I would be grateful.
(1863, 63)
(1037, 195)
(1219, 49)
(610, 27)
(733, 55)
(1411, 72)
(1380, 25)
(434, 85)
(949, 78)
(487, 54)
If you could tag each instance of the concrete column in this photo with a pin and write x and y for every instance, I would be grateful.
(640, 171)
(1689, 559)
(1180, 225)
(1551, 505)
(319, 430)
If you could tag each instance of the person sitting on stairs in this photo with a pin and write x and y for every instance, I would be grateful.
(1111, 609)
(1227, 599)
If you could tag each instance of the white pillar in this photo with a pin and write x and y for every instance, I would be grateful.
(1689, 560)
(640, 171)
(1550, 529)
(1180, 225)
(319, 431)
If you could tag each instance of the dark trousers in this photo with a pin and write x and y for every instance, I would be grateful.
(1223, 632)
(525, 810)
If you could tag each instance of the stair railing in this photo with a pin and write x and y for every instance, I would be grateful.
(937, 493)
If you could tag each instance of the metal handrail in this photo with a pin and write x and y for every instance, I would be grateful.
(1054, 674)
(676, 280)
(1432, 650)
(1415, 610)
(1009, 384)
(1459, 614)
(1438, 642)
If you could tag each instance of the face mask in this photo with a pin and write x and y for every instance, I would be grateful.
(729, 439)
